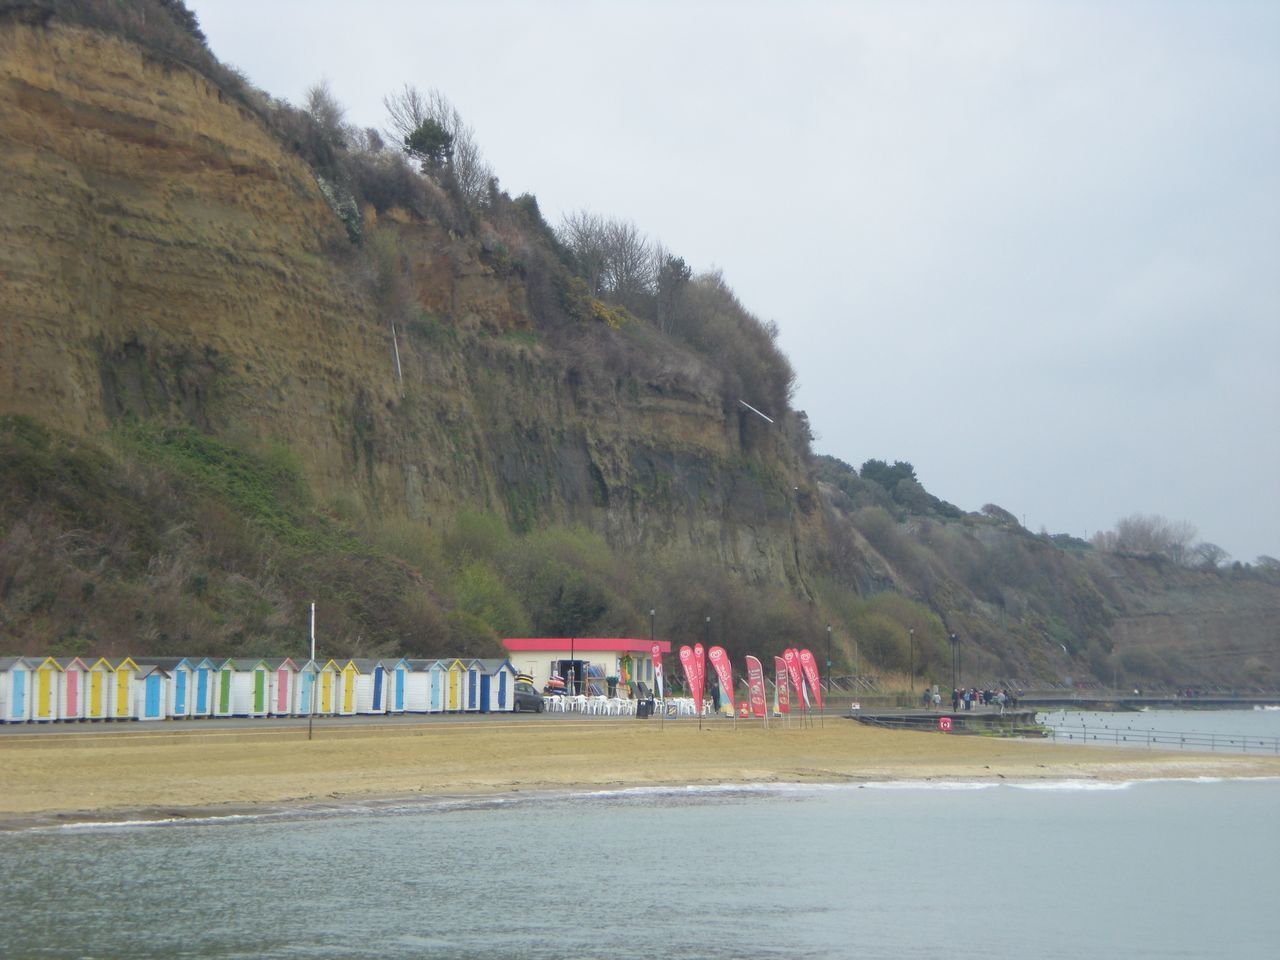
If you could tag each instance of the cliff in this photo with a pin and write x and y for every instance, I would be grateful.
(166, 257)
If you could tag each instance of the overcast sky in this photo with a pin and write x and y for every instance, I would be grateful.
(1032, 248)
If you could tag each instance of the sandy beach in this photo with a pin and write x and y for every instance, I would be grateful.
(180, 771)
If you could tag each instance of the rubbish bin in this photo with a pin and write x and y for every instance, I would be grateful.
(644, 709)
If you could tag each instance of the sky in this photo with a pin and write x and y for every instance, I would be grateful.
(1032, 248)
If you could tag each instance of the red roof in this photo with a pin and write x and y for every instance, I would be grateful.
(585, 644)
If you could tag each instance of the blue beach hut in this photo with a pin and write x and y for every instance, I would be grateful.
(15, 689)
(497, 678)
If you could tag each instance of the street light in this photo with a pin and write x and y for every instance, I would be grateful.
(912, 631)
(828, 660)
(955, 655)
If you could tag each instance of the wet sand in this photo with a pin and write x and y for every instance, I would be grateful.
(182, 771)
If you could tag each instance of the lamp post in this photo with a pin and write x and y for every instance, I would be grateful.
(828, 660)
(573, 670)
(955, 662)
(912, 631)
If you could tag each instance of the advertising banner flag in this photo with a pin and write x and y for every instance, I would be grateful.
(688, 660)
(781, 699)
(810, 668)
(724, 672)
(656, 653)
(755, 687)
(792, 659)
(700, 664)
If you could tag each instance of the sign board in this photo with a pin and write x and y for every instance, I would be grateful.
(944, 724)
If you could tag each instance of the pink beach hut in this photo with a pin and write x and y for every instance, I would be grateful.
(284, 683)
(71, 698)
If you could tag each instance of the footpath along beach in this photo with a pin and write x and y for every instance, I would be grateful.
(185, 772)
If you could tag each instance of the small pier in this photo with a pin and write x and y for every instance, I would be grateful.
(989, 722)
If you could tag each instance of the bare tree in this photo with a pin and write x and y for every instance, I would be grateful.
(409, 109)
(327, 113)
(1152, 535)
(1210, 555)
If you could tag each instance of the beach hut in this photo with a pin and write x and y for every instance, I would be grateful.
(181, 686)
(71, 698)
(281, 698)
(347, 688)
(15, 689)
(497, 678)
(250, 684)
(327, 694)
(397, 684)
(306, 686)
(153, 695)
(371, 687)
(203, 677)
(98, 700)
(123, 683)
(224, 684)
(46, 691)
(439, 685)
(417, 686)
(455, 698)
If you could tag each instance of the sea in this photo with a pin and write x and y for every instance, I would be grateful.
(1045, 869)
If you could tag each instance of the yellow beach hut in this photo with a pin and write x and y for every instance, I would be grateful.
(349, 678)
(456, 687)
(47, 690)
(329, 680)
(98, 699)
(123, 681)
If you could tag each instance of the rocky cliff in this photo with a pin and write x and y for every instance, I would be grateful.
(165, 256)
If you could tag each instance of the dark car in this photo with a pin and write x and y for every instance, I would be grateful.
(527, 697)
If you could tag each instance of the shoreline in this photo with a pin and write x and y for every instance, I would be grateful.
(193, 775)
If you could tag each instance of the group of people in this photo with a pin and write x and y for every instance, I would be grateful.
(968, 699)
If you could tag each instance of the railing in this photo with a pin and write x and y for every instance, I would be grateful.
(1150, 739)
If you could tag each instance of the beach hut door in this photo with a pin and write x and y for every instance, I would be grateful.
(377, 688)
(152, 704)
(180, 693)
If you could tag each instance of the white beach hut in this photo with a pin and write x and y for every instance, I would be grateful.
(417, 686)
(371, 687)
(250, 683)
(15, 689)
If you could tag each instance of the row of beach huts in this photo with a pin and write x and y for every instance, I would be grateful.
(159, 688)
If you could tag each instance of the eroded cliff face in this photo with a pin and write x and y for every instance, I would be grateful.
(164, 256)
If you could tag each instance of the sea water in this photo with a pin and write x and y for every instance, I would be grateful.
(1010, 870)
